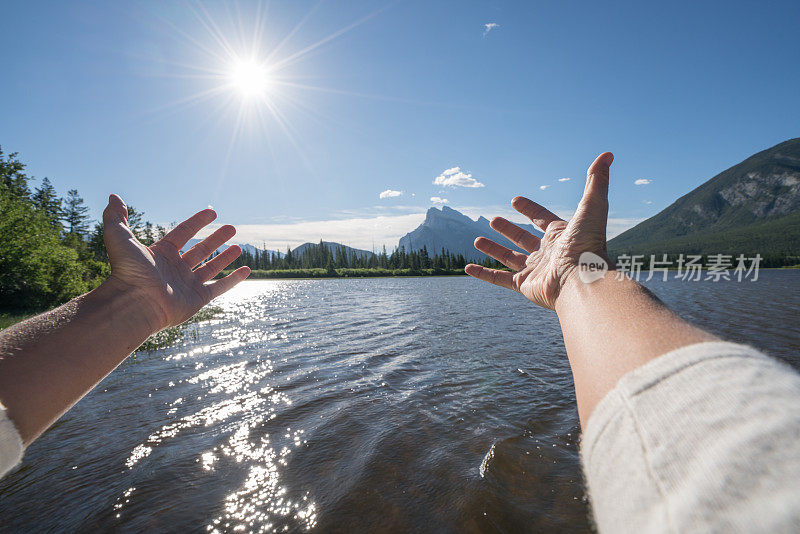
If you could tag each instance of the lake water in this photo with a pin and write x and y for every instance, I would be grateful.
(405, 404)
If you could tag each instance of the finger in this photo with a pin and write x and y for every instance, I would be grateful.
(598, 174)
(504, 255)
(116, 234)
(116, 211)
(595, 195)
(214, 266)
(115, 225)
(207, 246)
(540, 216)
(186, 230)
(520, 237)
(218, 287)
(493, 276)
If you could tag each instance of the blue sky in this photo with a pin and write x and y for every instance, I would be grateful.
(367, 97)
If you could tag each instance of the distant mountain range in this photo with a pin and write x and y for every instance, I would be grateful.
(453, 231)
(335, 248)
(751, 207)
(443, 228)
(246, 247)
(299, 250)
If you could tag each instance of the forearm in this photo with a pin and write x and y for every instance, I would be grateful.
(49, 362)
(611, 327)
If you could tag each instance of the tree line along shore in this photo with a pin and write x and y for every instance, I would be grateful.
(375, 272)
(51, 251)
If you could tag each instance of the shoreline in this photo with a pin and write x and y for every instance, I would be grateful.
(11, 317)
(373, 273)
(346, 273)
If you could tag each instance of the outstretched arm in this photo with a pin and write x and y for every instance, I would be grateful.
(610, 326)
(49, 362)
(678, 434)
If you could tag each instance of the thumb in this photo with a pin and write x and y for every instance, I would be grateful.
(116, 211)
(115, 226)
(594, 203)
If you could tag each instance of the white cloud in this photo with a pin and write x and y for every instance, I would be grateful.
(563, 179)
(648, 202)
(642, 181)
(455, 177)
(489, 27)
(543, 187)
(439, 200)
(389, 193)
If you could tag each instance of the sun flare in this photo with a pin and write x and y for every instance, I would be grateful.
(250, 78)
(250, 73)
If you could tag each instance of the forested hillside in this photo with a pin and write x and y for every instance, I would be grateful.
(50, 250)
(752, 207)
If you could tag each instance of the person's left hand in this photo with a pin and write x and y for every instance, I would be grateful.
(164, 281)
(552, 261)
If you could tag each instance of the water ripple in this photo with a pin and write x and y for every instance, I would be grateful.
(432, 404)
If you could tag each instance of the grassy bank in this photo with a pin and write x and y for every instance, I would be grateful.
(176, 334)
(10, 318)
(350, 273)
(160, 340)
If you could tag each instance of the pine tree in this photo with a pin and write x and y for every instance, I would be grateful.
(148, 234)
(160, 232)
(135, 223)
(96, 243)
(47, 201)
(12, 179)
(75, 215)
(424, 260)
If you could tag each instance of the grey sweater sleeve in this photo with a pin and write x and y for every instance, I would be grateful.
(705, 438)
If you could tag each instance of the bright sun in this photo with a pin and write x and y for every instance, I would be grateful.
(250, 78)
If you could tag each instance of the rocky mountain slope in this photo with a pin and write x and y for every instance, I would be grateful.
(751, 207)
(451, 230)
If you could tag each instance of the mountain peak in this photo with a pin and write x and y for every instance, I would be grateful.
(449, 229)
(445, 213)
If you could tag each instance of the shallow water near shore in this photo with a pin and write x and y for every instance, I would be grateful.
(363, 405)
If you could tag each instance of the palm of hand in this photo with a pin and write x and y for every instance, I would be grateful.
(540, 279)
(553, 259)
(166, 282)
(162, 277)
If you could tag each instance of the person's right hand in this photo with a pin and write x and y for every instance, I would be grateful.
(553, 260)
(169, 286)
